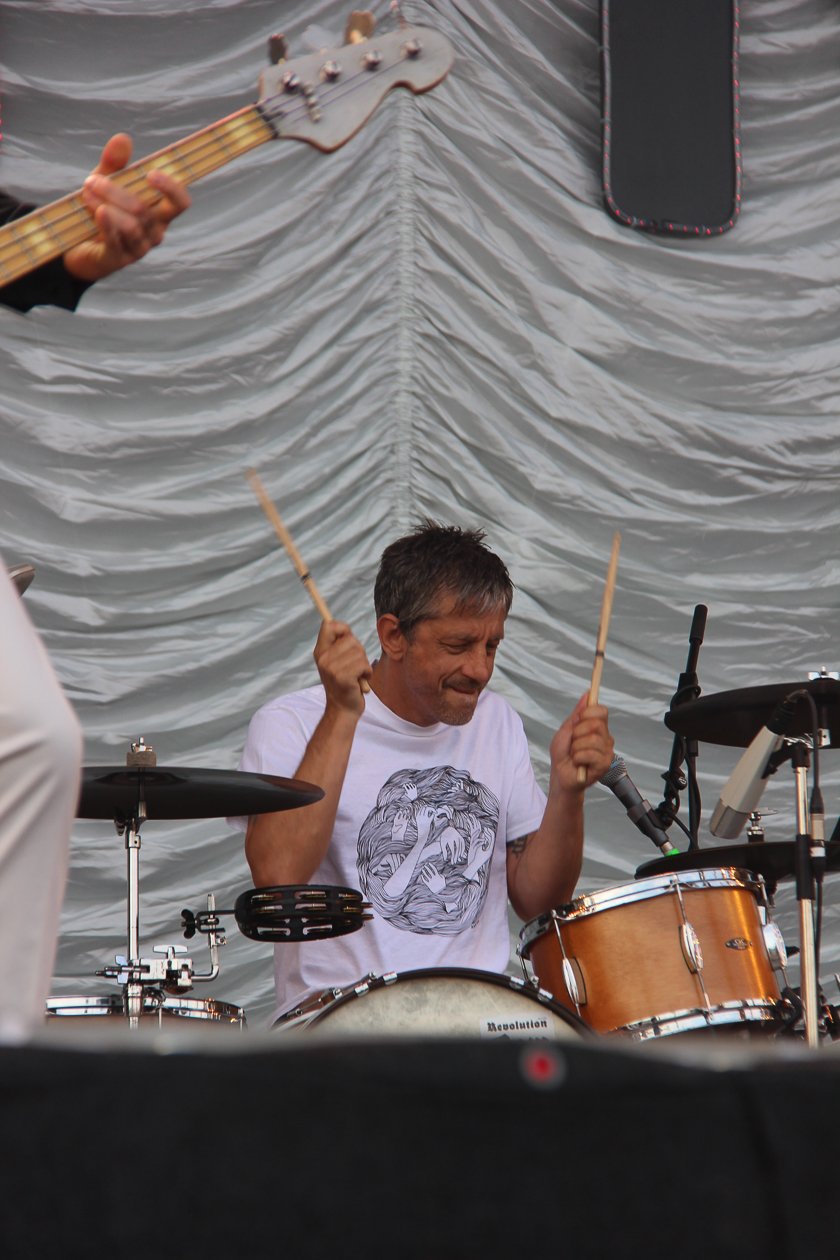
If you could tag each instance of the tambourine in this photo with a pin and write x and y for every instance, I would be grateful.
(299, 912)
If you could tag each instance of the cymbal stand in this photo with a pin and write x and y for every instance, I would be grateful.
(139, 755)
(138, 975)
(805, 892)
(134, 986)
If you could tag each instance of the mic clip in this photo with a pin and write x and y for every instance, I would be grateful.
(779, 757)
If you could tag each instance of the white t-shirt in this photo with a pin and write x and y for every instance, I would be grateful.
(424, 817)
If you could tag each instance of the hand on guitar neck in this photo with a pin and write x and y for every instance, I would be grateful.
(322, 99)
(128, 226)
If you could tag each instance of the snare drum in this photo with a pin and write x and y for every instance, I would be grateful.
(674, 953)
(438, 1002)
(156, 1009)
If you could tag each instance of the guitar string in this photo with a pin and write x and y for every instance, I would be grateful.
(206, 147)
(70, 215)
(69, 212)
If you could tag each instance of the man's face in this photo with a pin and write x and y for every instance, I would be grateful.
(447, 663)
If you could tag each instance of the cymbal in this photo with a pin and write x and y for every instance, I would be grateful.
(774, 860)
(21, 575)
(187, 792)
(735, 717)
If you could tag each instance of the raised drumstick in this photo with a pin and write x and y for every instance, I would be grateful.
(603, 627)
(293, 553)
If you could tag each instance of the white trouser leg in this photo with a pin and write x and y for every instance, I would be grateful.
(40, 759)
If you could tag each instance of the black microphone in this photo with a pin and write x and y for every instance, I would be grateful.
(638, 809)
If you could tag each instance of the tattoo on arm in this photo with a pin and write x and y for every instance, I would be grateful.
(518, 846)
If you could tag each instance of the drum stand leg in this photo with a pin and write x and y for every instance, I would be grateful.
(805, 896)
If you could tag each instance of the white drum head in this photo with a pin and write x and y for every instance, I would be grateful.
(446, 1003)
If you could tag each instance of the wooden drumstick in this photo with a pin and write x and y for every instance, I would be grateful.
(286, 539)
(293, 553)
(603, 627)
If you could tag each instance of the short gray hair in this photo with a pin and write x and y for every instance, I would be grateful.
(435, 560)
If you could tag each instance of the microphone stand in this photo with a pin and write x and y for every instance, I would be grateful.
(685, 749)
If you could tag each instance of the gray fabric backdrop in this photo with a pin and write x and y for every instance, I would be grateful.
(437, 319)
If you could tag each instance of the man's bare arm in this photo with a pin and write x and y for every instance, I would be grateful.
(543, 867)
(287, 847)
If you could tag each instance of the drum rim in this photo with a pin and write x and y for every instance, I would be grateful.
(696, 1018)
(515, 984)
(611, 898)
(106, 1003)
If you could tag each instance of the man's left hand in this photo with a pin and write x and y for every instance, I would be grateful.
(583, 740)
(127, 227)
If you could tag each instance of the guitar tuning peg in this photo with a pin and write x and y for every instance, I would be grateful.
(278, 49)
(360, 26)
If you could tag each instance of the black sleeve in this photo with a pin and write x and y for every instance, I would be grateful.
(49, 285)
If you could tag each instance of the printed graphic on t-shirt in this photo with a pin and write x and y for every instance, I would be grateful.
(424, 851)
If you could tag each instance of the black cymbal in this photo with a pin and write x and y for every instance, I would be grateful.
(187, 792)
(774, 860)
(21, 575)
(735, 717)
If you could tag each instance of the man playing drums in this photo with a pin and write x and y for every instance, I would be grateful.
(431, 805)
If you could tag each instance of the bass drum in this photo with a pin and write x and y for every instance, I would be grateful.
(157, 1009)
(440, 1002)
(676, 953)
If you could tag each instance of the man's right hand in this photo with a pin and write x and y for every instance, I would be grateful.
(288, 846)
(342, 665)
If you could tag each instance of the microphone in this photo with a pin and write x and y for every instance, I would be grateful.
(747, 781)
(638, 809)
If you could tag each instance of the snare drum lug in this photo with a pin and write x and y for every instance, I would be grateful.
(775, 945)
(691, 948)
(573, 980)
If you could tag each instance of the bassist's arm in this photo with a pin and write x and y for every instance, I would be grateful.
(49, 285)
(127, 230)
(128, 227)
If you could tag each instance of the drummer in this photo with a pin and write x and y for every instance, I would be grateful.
(431, 806)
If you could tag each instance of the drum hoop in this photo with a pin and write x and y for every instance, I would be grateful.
(191, 1008)
(105, 1004)
(516, 984)
(741, 1011)
(642, 890)
(100, 1004)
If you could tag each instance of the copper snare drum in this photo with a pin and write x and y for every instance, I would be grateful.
(673, 953)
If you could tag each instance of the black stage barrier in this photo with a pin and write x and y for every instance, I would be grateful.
(427, 1149)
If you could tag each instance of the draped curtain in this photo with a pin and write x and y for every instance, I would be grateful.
(438, 319)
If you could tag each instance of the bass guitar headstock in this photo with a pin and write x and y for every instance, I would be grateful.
(326, 97)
